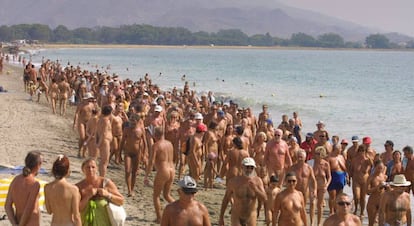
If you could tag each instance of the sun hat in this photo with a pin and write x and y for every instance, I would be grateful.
(188, 184)
(355, 139)
(249, 162)
(88, 95)
(198, 115)
(158, 108)
(400, 181)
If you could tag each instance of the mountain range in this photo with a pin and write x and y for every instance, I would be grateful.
(251, 17)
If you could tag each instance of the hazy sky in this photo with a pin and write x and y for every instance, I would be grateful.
(388, 15)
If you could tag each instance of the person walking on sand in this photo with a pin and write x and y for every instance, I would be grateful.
(134, 144)
(245, 190)
(104, 138)
(22, 202)
(82, 115)
(289, 206)
(162, 158)
(277, 156)
(64, 92)
(186, 210)
(96, 192)
(409, 168)
(360, 170)
(338, 175)
(375, 189)
(61, 197)
(395, 207)
(306, 182)
(53, 94)
(322, 172)
(342, 215)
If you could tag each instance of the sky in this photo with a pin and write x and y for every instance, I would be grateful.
(386, 15)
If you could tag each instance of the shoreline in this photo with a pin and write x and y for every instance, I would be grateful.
(133, 46)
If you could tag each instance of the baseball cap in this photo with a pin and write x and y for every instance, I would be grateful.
(309, 135)
(201, 128)
(344, 141)
(366, 140)
(355, 138)
(188, 184)
(249, 162)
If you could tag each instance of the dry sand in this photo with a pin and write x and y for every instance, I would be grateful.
(27, 125)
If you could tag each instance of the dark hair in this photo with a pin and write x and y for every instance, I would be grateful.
(60, 167)
(238, 142)
(32, 160)
(212, 125)
(290, 174)
(158, 132)
(408, 149)
(239, 130)
(106, 110)
(274, 179)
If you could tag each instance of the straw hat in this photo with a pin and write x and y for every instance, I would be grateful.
(400, 181)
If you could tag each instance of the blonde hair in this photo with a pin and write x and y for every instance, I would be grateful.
(321, 150)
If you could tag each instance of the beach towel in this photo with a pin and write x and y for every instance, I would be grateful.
(338, 181)
(4, 188)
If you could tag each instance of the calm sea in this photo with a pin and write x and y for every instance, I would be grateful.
(364, 93)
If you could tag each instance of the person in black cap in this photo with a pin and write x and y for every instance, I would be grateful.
(186, 210)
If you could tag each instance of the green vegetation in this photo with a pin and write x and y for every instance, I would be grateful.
(151, 35)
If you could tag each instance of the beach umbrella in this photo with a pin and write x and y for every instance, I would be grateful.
(4, 188)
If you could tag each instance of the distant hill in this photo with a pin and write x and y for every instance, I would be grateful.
(252, 17)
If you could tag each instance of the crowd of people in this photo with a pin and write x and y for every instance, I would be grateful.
(203, 141)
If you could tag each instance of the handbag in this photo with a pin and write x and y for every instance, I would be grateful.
(117, 214)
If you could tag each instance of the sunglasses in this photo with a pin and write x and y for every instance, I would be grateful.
(291, 181)
(344, 203)
(321, 136)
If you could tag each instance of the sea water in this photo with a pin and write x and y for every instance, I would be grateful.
(364, 93)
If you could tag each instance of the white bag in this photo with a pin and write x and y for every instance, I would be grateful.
(117, 214)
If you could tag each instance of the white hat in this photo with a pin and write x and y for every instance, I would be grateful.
(249, 162)
(400, 181)
(198, 115)
(158, 108)
(88, 95)
(188, 184)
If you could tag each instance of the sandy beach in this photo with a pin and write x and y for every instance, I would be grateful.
(27, 125)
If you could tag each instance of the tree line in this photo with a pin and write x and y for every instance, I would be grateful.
(152, 35)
